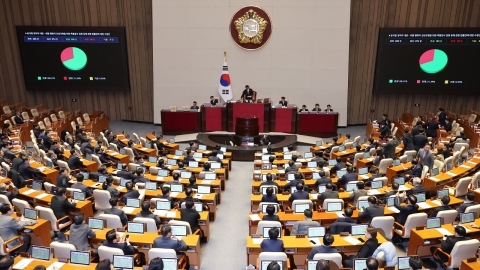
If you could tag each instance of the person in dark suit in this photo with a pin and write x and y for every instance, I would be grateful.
(166, 195)
(18, 118)
(389, 147)
(449, 242)
(417, 128)
(416, 169)
(469, 201)
(291, 167)
(131, 193)
(140, 177)
(47, 140)
(425, 156)
(294, 182)
(432, 128)
(190, 215)
(81, 186)
(131, 145)
(317, 108)
(247, 94)
(270, 214)
(146, 213)
(10, 194)
(16, 162)
(392, 192)
(300, 194)
(270, 197)
(367, 249)
(442, 116)
(445, 201)
(349, 176)
(115, 241)
(168, 240)
(329, 193)
(60, 204)
(407, 140)
(123, 173)
(303, 109)
(194, 106)
(62, 178)
(80, 233)
(270, 182)
(373, 210)
(347, 216)
(328, 240)
(329, 108)
(283, 102)
(273, 244)
(26, 171)
(340, 165)
(74, 161)
(213, 101)
(447, 126)
(418, 188)
(107, 185)
(115, 211)
(213, 157)
(360, 192)
(385, 130)
(385, 120)
(405, 211)
(189, 156)
(323, 180)
(193, 182)
(420, 140)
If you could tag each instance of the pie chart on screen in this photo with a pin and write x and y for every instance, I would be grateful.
(433, 61)
(73, 58)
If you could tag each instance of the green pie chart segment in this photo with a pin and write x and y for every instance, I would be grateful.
(73, 58)
(433, 61)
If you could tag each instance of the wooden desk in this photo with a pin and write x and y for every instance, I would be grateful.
(325, 124)
(66, 266)
(84, 207)
(180, 122)
(214, 118)
(40, 232)
(283, 119)
(91, 166)
(393, 171)
(50, 174)
(470, 265)
(455, 174)
(117, 157)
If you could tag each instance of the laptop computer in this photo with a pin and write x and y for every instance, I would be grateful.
(435, 172)
(178, 153)
(172, 140)
(162, 173)
(351, 187)
(409, 158)
(341, 173)
(124, 181)
(290, 176)
(41, 253)
(287, 156)
(79, 196)
(49, 165)
(319, 143)
(265, 158)
(185, 175)
(132, 202)
(102, 178)
(312, 164)
(399, 180)
(193, 164)
(293, 189)
(449, 166)
(359, 229)
(312, 264)
(308, 155)
(176, 187)
(37, 186)
(377, 184)
(122, 151)
(301, 207)
(264, 208)
(467, 217)
(148, 145)
(136, 227)
(220, 156)
(151, 186)
(179, 230)
(85, 175)
(403, 263)
(341, 148)
(96, 223)
(360, 264)
(391, 201)
(203, 190)
(80, 257)
(215, 165)
(322, 188)
(163, 205)
(170, 264)
(362, 204)
(123, 261)
(443, 193)
(316, 232)
(285, 149)
(433, 223)
(264, 265)
(171, 162)
(30, 213)
(396, 162)
(332, 162)
(88, 157)
(223, 149)
(198, 206)
(202, 147)
(366, 155)
(334, 206)
(266, 166)
(197, 155)
(420, 197)
(119, 166)
(362, 171)
(210, 176)
(266, 229)
(152, 159)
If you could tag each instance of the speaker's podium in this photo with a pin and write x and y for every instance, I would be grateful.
(246, 131)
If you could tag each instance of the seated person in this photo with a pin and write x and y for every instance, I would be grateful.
(291, 167)
(194, 106)
(347, 217)
(206, 167)
(181, 166)
(328, 240)
(418, 188)
(192, 146)
(189, 157)
(168, 240)
(349, 176)
(155, 264)
(340, 165)
(107, 185)
(415, 263)
(374, 172)
(294, 182)
(372, 263)
(146, 213)
(247, 94)
(304, 108)
(115, 211)
(166, 195)
(213, 101)
(4, 191)
(192, 182)
(329, 108)
(269, 197)
(449, 242)
(360, 192)
(270, 182)
(283, 102)
(395, 187)
(405, 211)
(124, 173)
(190, 215)
(301, 227)
(469, 201)
(271, 216)
(317, 108)
(131, 193)
(323, 180)
(329, 193)
(140, 176)
(373, 210)
(367, 249)
(115, 241)
(416, 169)
(213, 157)
(80, 233)
(62, 178)
(81, 186)
(273, 244)
(347, 140)
(300, 194)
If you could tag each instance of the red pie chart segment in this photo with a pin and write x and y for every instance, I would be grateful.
(427, 57)
(67, 54)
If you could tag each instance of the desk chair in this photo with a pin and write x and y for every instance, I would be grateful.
(54, 118)
(61, 114)
(184, 223)
(113, 221)
(6, 166)
(373, 152)
(71, 190)
(448, 216)
(166, 253)
(438, 164)
(394, 131)
(41, 124)
(413, 221)
(5, 250)
(61, 250)
(381, 259)
(384, 180)
(326, 201)
(461, 188)
(448, 160)
(424, 172)
(4, 199)
(384, 225)
(335, 257)
(456, 157)
(56, 224)
(25, 116)
(276, 205)
(154, 170)
(334, 150)
(63, 165)
(48, 187)
(349, 145)
(48, 124)
(129, 152)
(144, 142)
(272, 256)
(20, 205)
(403, 159)
(357, 140)
(138, 138)
(115, 148)
(265, 223)
(102, 198)
(133, 167)
(34, 112)
(105, 142)
(384, 164)
(151, 225)
(6, 110)
(96, 159)
(475, 181)
(172, 108)
(473, 208)
(461, 251)
(411, 153)
(267, 186)
(357, 157)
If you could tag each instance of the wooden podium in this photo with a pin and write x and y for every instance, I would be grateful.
(246, 131)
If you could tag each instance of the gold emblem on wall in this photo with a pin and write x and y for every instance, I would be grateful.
(250, 27)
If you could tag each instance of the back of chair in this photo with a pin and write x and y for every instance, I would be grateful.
(113, 221)
(438, 164)
(357, 157)
(47, 213)
(25, 116)
(410, 153)
(384, 226)
(63, 165)
(151, 225)
(61, 250)
(4, 199)
(296, 202)
(326, 201)
(413, 221)
(161, 253)
(130, 154)
(48, 186)
(461, 188)
(473, 208)
(384, 180)
(271, 256)
(102, 198)
(6, 110)
(86, 117)
(108, 252)
(266, 224)
(335, 257)
(384, 164)
(53, 117)
(448, 216)
(448, 160)
(47, 122)
(172, 108)
(462, 251)
(96, 159)
(276, 205)
(20, 205)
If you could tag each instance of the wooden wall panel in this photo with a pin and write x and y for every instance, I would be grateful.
(135, 16)
(367, 16)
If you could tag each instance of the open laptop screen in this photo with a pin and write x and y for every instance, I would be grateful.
(308, 155)
(359, 264)
(179, 230)
(96, 223)
(433, 223)
(362, 171)
(403, 263)
(266, 229)
(123, 261)
(443, 193)
(315, 232)
(420, 197)
(136, 227)
(132, 202)
(301, 207)
(79, 257)
(334, 206)
(359, 229)
(30, 213)
(170, 264)
(377, 184)
(41, 253)
(178, 153)
(341, 173)
(467, 217)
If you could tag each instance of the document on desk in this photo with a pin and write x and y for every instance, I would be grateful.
(198, 196)
(257, 171)
(144, 149)
(424, 205)
(314, 196)
(22, 263)
(434, 178)
(254, 217)
(465, 166)
(207, 182)
(444, 231)
(402, 188)
(437, 202)
(173, 194)
(257, 241)
(159, 178)
(41, 196)
(281, 171)
(364, 176)
(374, 192)
(29, 191)
(171, 214)
(58, 265)
(452, 174)
(128, 210)
(393, 209)
(471, 162)
(352, 240)
(340, 214)
(160, 212)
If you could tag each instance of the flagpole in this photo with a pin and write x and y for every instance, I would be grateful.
(224, 56)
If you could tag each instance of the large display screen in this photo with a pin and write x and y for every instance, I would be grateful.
(428, 61)
(73, 58)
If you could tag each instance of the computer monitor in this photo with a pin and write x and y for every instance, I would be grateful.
(391, 201)
(179, 230)
(366, 155)
(132, 202)
(162, 173)
(341, 173)
(102, 178)
(396, 162)
(312, 164)
(193, 164)
(420, 197)
(403, 263)
(312, 264)
(37, 186)
(210, 176)
(54, 190)
(176, 187)
(96, 223)
(203, 189)
(362, 171)
(322, 188)
(285, 149)
(264, 150)
(319, 143)
(316, 175)
(136, 227)
(341, 148)
(119, 166)
(360, 264)
(123, 261)
(185, 175)
(433, 223)
(351, 187)
(122, 151)
(198, 206)
(79, 196)
(151, 186)
(202, 147)
(172, 140)
(85, 175)
(308, 155)
(215, 165)
(264, 265)
(152, 159)
(49, 165)
(332, 162)
(171, 162)
(178, 152)
(124, 181)
(170, 264)
(443, 193)
(399, 180)
(290, 176)
(467, 217)
(287, 156)
(220, 156)
(435, 171)
(223, 149)
(266, 166)
(377, 184)
(41, 253)
(264, 208)
(449, 166)
(148, 145)
(198, 155)
(409, 158)
(362, 204)
(293, 189)
(266, 158)
(315, 232)
(301, 207)
(80, 257)
(266, 229)
(30, 213)
(334, 206)
(163, 205)
(355, 144)
(88, 157)
(359, 229)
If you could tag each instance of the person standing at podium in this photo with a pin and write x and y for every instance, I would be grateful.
(283, 102)
(247, 94)
(213, 101)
